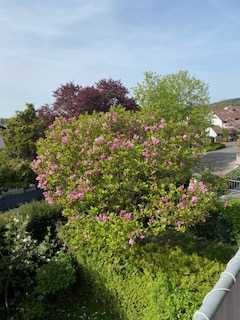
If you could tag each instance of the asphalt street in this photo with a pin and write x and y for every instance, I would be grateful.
(221, 161)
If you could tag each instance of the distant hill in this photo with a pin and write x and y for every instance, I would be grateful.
(224, 103)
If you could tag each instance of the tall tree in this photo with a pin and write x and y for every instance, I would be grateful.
(71, 100)
(21, 134)
(175, 95)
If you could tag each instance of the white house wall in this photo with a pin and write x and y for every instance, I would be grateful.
(211, 133)
(216, 121)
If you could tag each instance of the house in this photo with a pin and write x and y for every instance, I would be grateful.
(225, 124)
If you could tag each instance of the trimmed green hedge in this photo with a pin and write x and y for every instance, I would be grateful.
(215, 146)
(163, 280)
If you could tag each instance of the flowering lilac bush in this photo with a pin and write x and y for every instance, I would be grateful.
(123, 165)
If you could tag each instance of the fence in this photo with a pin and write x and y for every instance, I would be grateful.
(223, 301)
(234, 185)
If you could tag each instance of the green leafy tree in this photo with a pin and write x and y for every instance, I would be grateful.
(21, 134)
(175, 95)
(20, 137)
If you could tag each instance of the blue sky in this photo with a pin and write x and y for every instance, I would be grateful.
(45, 43)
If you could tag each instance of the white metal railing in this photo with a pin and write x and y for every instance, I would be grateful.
(234, 185)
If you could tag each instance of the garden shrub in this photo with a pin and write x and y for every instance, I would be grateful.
(123, 164)
(216, 183)
(33, 309)
(164, 280)
(124, 180)
(20, 257)
(232, 216)
(55, 276)
(217, 226)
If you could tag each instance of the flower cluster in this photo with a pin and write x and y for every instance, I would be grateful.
(127, 216)
(136, 236)
(102, 218)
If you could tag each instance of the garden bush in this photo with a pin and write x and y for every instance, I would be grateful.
(163, 279)
(232, 216)
(125, 183)
(20, 257)
(55, 276)
(123, 164)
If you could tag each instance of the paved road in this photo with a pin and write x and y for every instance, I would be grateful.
(221, 161)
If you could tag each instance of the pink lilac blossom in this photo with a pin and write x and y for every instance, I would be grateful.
(65, 139)
(126, 215)
(155, 141)
(203, 188)
(141, 236)
(192, 185)
(194, 199)
(48, 198)
(164, 200)
(115, 144)
(128, 145)
(131, 242)
(42, 181)
(89, 173)
(152, 220)
(162, 124)
(59, 192)
(147, 154)
(179, 223)
(37, 162)
(102, 218)
(76, 195)
(181, 188)
(100, 140)
(182, 204)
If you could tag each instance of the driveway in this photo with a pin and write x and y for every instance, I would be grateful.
(221, 161)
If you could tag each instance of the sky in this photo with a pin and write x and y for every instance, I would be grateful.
(46, 43)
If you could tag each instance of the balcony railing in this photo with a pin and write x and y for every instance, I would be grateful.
(234, 185)
(223, 301)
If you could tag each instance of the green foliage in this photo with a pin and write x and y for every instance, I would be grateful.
(217, 227)
(14, 173)
(20, 137)
(215, 183)
(55, 276)
(234, 174)
(33, 309)
(27, 241)
(215, 146)
(21, 134)
(20, 256)
(163, 280)
(231, 213)
(175, 95)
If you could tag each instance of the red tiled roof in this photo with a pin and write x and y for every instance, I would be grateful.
(230, 116)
